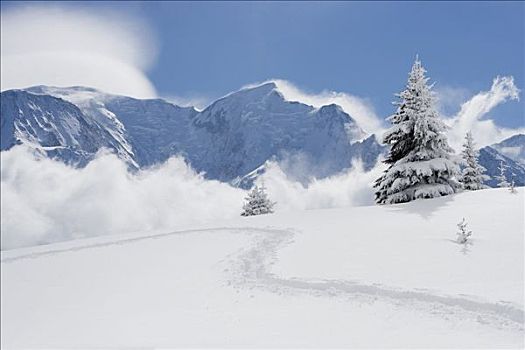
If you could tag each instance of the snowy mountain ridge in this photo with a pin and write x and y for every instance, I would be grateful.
(229, 139)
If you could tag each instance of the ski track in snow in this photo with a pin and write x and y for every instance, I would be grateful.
(250, 268)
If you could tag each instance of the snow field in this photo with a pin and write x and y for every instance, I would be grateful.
(349, 277)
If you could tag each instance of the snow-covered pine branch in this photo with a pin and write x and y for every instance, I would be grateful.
(472, 176)
(421, 161)
(463, 233)
(257, 202)
(502, 179)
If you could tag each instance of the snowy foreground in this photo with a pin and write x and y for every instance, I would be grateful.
(388, 276)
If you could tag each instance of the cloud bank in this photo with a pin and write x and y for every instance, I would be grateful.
(46, 201)
(63, 46)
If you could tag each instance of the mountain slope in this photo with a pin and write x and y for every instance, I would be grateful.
(491, 160)
(231, 140)
(54, 126)
(251, 126)
(228, 140)
(513, 148)
(150, 131)
(332, 278)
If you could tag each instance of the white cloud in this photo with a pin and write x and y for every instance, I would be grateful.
(450, 98)
(44, 200)
(358, 108)
(353, 187)
(64, 46)
(472, 115)
(198, 102)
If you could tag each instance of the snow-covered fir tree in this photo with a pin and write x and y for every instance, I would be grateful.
(472, 176)
(257, 202)
(502, 179)
(463, 233)
(421, 161)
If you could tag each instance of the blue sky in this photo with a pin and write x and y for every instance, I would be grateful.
(207, 49)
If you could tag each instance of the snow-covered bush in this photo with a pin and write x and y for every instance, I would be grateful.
(472, 176)
(463, 233)
(421, 161)
(257, 202)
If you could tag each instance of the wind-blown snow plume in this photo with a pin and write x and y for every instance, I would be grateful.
(64, 46)
(199, 102)
(350, 188)
(469, 118)
(45, 201)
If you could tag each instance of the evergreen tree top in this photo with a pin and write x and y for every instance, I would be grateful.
(421, 161)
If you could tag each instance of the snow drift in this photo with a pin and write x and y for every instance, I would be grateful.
(377, 276)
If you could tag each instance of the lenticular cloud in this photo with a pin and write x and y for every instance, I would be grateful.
(109, 52)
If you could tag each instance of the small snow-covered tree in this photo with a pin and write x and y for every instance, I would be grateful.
(421, 161)
(512, 189)
(472, 176)
(502, 179)
(463, 233)
(257, 202)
